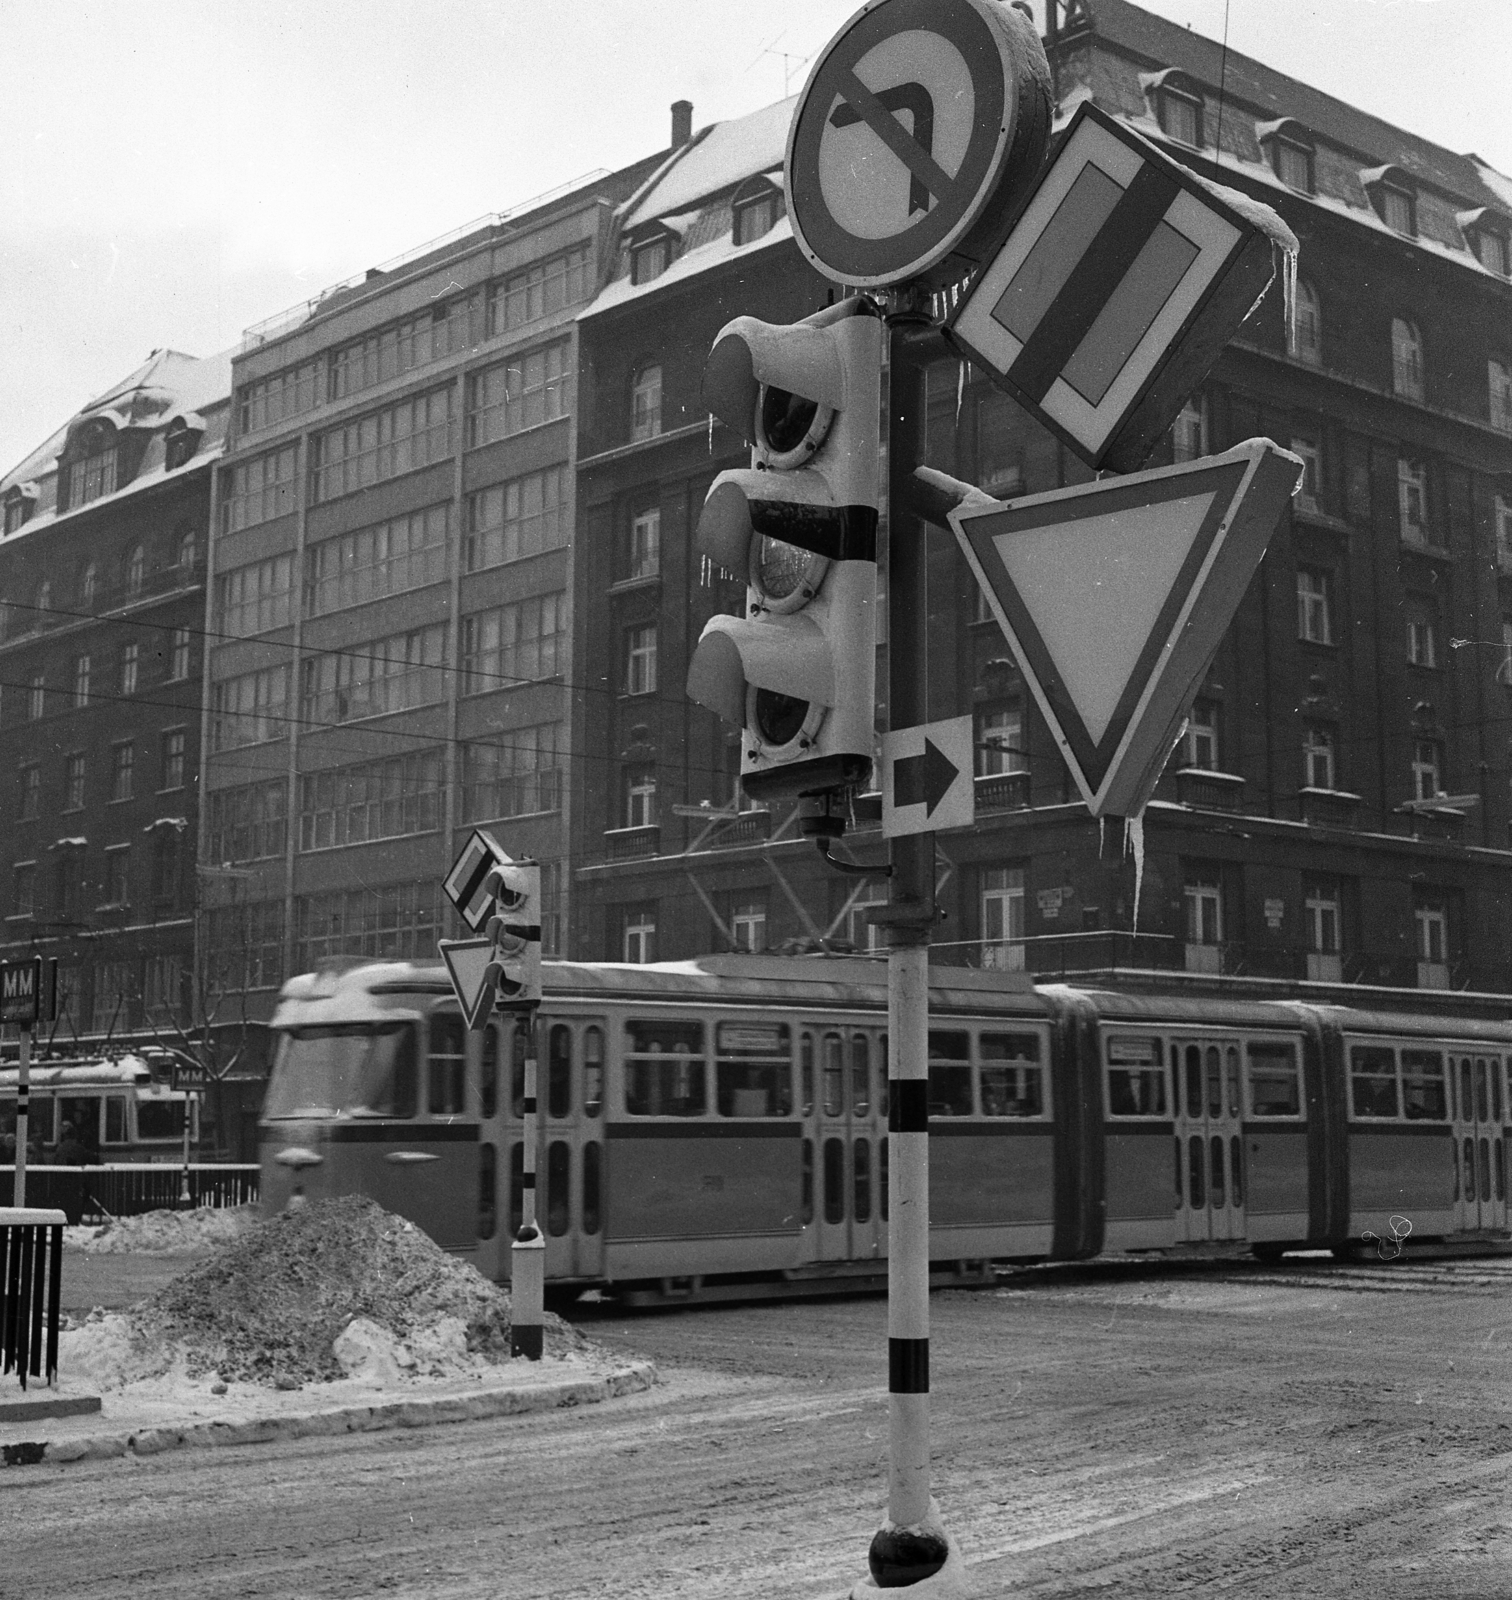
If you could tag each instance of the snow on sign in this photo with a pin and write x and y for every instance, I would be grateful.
(1114, 596)
(927, 778)
(1119, 282)
(920, 123)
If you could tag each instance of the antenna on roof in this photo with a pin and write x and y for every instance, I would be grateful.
(788, 57)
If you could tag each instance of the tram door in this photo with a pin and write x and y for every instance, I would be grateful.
(570, 1162)
(849, 1171)
(1480, 1173)
(1210, 1171)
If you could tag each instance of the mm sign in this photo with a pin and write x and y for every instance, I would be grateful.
(21, 991)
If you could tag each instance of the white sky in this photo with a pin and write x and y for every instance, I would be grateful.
(174, 170)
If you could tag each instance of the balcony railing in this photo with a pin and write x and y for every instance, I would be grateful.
(626, 844)
(1208, 790)
(1003, 791)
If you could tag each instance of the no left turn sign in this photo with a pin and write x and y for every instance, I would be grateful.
(920, 123)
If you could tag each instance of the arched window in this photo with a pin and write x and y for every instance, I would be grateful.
(89, 584)
(136, 570)
(1499, 386)
(1307, 331)
(646, 403)
(1406, 359)
(185, 557)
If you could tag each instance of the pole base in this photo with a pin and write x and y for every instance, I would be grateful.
(526, 1341)
(923, 1559)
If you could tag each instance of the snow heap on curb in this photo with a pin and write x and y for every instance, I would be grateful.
(338, 1289)
(164, 1233)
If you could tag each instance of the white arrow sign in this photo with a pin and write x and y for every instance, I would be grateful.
(927, 778)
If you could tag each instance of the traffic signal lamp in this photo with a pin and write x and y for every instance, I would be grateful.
(514, 926)
(797, 671)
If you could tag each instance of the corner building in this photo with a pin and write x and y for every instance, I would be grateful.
(390, 608)
(1337, 811)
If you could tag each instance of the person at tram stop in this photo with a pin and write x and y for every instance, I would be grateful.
(8, 1148)
(71, 1152)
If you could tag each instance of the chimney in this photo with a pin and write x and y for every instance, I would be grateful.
(682, 123)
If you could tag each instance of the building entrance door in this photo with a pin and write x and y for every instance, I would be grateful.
(1209, 1139)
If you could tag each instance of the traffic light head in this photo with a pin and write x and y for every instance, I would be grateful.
(515, 928)
(797, 671)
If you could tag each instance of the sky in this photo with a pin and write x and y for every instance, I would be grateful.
(171, 173)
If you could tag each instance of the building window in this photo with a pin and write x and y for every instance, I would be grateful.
(999, 439)
(1431, 922)
(29, 806)
(179, 445)
(122, 762)
(385, 444)
(520, 393)
(517, 643)
(89, 585)
(418, 340)
(645, 543)
(17, 509)
(1199, 744)
(517, 519)
(73, 782)
(258, 490)
(1000, 742)
(187, 547)
(81, 674)
(1181, 118)
(748, 920)
(44, 601)
(640, 797)
(391, 557)
(372, 800)
(1427, 769)
(518, 773)
(1504, 533)
(36, 698)
(1406, 359)
(1203, 897)
(1412, 501)
(92, 477)
(1293, 165)
(136, 570)
(646, 403)
(174, 745)
(1318, 770)
(1306, 332)
(638, 930)
(1314, 618)
(650, 259)
(1189, 432)
(397, 922)
(1002, 913)
(861, 931)
(1491, 251)
(1321, 903)
(376, 678)
(1309, 496)
(24, 889)
(178, 654)
(255, 598)
(117, 875)
(755, 215)
(277, 398)
(1398, 210)
(248, 941)
(249, 709)
(1499, 387)
(540, 290)
(130, 657)
(1422, 642)
(640, 660)
(247, 823)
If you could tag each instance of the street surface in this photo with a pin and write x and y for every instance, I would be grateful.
(1219, 1428)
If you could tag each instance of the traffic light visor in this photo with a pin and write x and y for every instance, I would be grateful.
(789, 657)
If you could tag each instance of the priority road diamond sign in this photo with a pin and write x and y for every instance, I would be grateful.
(1119, 282)
(920, 122)
(464, 883)
(1114, 596)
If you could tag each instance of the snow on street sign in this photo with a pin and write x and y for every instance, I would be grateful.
(1114, 596)
(474, 972)
(927, 778)
(464, 883)
(1119, 282)
(920, 123)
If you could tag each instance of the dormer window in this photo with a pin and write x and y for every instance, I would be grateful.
(1177, 99)
(20, 502)
(180, 442)
(1394, 197)
(1486, 233)
(1288, 146)
(755, 210)
(93, 475)
(650, 258)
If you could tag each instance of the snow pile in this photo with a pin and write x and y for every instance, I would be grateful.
(164, 1233)
(338, 1289)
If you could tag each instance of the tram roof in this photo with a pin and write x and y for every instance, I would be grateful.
(79, 1074)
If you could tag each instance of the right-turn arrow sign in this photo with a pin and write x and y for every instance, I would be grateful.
(927, 778)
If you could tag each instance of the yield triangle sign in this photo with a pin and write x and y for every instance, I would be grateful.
(474, 975)
(1114, 596)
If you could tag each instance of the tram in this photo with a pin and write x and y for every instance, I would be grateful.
(118, 1109)
(717, 1128)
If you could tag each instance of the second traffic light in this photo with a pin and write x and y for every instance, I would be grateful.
(797, 672)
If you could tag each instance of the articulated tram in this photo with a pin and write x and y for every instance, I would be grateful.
(718, 1128)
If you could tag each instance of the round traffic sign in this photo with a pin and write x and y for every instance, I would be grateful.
(920, 123)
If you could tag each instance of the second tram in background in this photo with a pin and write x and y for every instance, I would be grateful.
(718, 1128)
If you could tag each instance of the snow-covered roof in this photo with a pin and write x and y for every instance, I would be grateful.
(702, 258)
(726, 153)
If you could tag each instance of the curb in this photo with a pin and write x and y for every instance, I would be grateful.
(417, 1413)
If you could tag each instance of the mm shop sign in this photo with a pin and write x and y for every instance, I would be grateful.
(21, 991)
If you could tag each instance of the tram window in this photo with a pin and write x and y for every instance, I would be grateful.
(1236, 1167)
(447, 1067)
(593, 1071)
(1469, 1150)
(833, 1076)
(949, 1074)
(1372, 1072)
(882, 1175)
(516, 1188)
(1485, 1169)
(488, 1189)
(664, 1069)
(753, 1069)
(860, 1059)
(834, 1180)
(1193, 1080)
(806, 1072)
(559, 1072)
(1231, 1078)
(1454, 1162)
(115, 1119)
(156, 1119)
(592, 1186)
(1213, 1062)
(884, 1067)
(353, 1067)
(807, 1197)
(1496, 1077)
(1466, 1101)
(517, 1048)
(1275, 1089)
(1423, 1085)
(1012, 1080)
(1196, 1189)
(1215, 1168)
(1501, 1173)
(861, 1179)
(1136, 1076)
(1178, 1173)
(558, 1187)
(1482, 1095)
(83, 1113)
(488, 1075)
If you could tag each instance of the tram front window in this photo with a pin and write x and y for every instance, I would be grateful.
(344, 1069)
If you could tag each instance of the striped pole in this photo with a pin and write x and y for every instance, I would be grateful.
(527, 1271)
(23, 1115)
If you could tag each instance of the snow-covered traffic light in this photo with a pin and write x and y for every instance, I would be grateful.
(797, 672)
